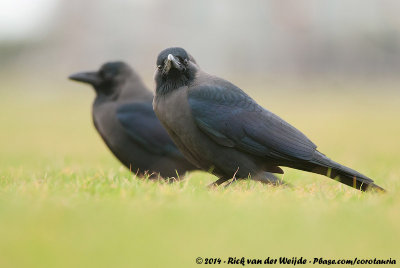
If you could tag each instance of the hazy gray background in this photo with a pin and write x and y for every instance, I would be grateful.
(254, 39)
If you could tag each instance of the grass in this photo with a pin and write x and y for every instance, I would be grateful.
(66, 202)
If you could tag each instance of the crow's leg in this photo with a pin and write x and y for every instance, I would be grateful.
(229, 183)
(217, 182)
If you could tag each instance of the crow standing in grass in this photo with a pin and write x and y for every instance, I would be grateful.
(124, 117)
(215, 124)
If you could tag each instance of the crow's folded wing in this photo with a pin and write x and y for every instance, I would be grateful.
(142, 126)
(231, 118)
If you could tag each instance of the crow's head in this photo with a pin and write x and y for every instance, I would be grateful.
(175, 68)
(108, 79)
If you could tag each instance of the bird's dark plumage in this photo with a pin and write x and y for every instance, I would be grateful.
(143, 127)
(222, 122)
(124, 117)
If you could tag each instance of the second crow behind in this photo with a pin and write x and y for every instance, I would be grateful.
(123, 116)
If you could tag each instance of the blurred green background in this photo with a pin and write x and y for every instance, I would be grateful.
(330, 68)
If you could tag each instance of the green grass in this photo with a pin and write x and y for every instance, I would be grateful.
(66, 202)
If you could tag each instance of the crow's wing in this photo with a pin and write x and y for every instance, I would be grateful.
(231, 118)
(143, 127)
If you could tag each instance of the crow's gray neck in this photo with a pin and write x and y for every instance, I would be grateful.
(170, 85)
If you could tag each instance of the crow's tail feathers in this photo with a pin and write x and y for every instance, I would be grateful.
(345, 175)
(325, 166)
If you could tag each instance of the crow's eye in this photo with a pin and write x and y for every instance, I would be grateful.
(186, 61)
(159, 67)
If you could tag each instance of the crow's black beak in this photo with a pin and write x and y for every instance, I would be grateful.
(172, 62)
(86, 77)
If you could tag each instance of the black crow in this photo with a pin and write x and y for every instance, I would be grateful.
(215, 124)
(124, 117)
